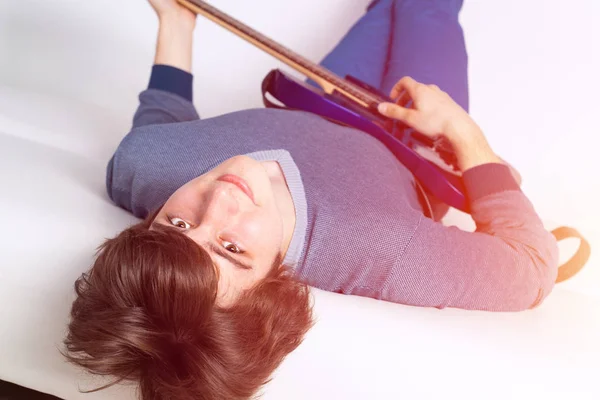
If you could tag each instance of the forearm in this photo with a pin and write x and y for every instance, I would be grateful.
(174, 43)
(483, 154)
(473, 150)
(513, 172)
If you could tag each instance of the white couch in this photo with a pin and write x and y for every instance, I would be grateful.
(69, 76)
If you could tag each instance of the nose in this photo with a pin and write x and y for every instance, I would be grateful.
(219, 203)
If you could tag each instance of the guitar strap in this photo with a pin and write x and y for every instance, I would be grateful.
(565, 271)
(574, 265)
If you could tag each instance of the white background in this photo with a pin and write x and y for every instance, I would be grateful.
(70, 73)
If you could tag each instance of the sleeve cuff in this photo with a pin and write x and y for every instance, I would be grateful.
(487, 179)
(173, 80)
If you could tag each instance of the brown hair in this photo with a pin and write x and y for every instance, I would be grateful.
(146, 311)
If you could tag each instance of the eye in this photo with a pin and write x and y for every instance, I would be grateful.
(178, 222)
(236, 250)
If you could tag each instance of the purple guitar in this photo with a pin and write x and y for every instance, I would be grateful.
(351, 102)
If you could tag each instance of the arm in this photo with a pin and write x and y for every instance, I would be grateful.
(169, 95)
(175, 34)
(510, 262)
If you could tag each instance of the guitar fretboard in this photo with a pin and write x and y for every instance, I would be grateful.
(293, 59)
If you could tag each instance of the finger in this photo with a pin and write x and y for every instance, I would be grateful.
(434, 87)
(391, 110)
(402, 99)
(407, 83)
(403, 84)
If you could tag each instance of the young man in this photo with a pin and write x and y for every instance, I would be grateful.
(207, 295)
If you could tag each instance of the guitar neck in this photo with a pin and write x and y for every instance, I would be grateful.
(325, 78)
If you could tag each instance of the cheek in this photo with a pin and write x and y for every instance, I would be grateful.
(260, 224)
(266, 227)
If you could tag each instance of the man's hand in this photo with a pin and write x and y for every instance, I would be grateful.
(434, 113)
(171, 9)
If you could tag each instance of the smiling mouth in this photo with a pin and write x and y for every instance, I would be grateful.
(240, 183)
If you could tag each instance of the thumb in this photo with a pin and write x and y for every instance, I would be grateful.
(395, 111)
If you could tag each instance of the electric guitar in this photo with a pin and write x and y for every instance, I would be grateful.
(349, 101)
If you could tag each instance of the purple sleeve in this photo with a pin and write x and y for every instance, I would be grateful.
(168, 98)
(509, 263)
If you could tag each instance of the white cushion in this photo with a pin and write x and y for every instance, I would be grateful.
(63, 123)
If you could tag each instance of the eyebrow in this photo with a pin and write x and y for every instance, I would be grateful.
(214, 248)
(227, 255)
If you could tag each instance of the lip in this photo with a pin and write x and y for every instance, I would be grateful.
(239, 182)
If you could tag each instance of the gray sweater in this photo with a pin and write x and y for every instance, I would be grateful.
(360, 227)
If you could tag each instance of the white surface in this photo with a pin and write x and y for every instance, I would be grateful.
(70, 73)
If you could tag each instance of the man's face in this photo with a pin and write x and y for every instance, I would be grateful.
(221, 218)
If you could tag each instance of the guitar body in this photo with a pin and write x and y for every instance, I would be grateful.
(415, 151)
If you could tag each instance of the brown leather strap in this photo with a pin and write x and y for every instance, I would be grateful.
(576, 263)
